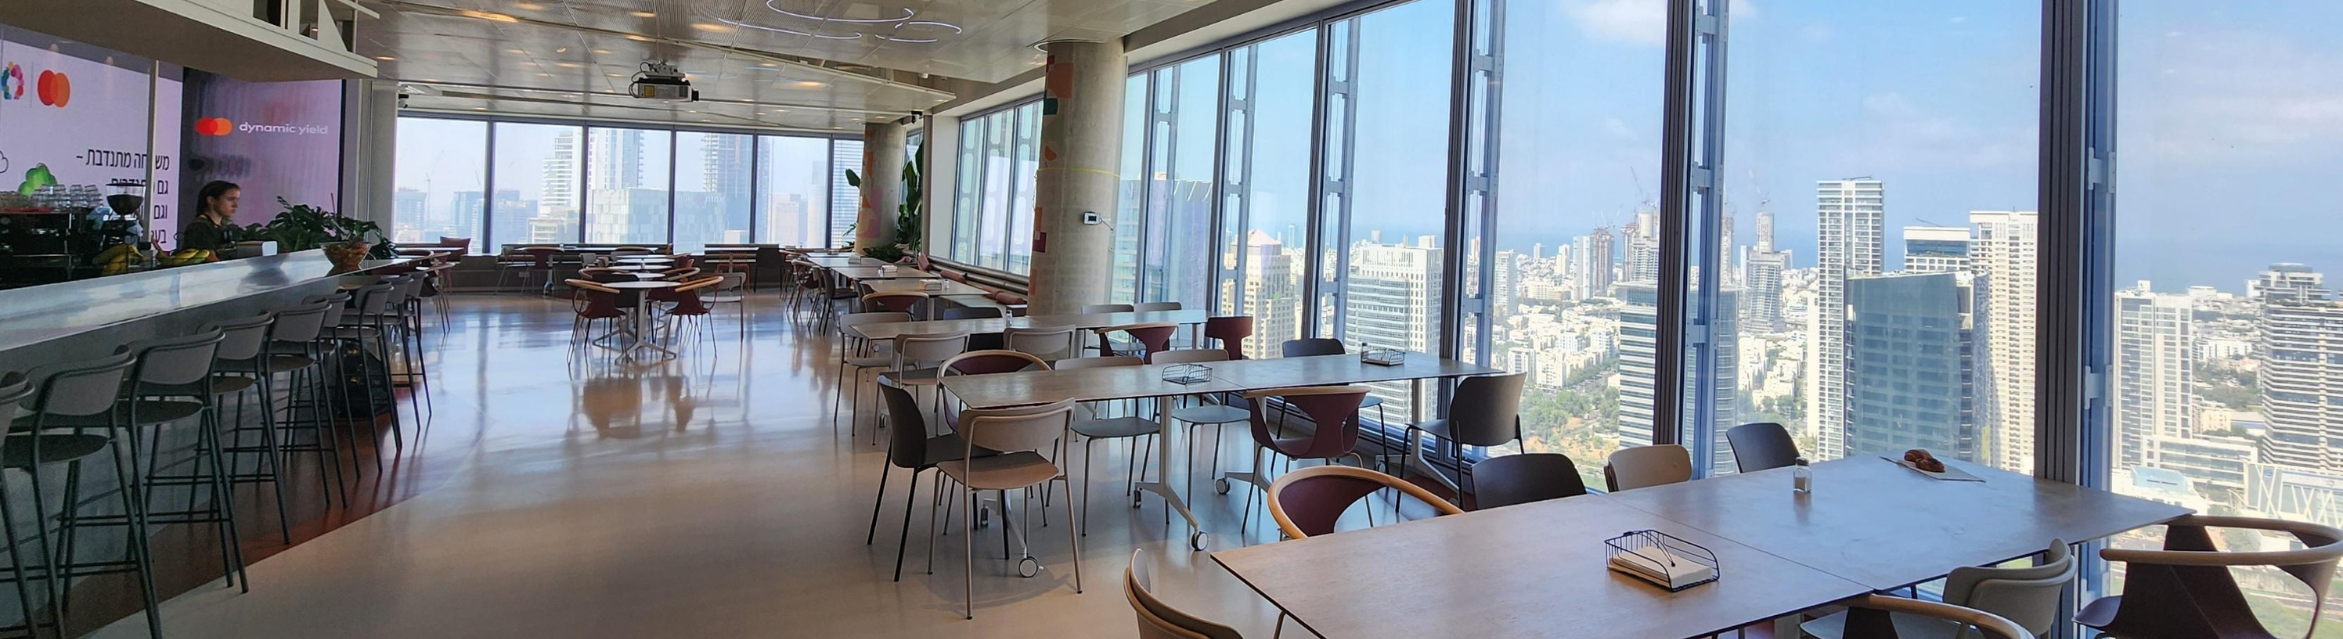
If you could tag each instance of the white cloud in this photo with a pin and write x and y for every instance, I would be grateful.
(1632, 21)
(2221, 97)
(1897, 133)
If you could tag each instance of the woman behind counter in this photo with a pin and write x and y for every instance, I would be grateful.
(214, 227)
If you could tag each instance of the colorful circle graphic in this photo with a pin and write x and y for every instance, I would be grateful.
(55, 89)
(11, 82)
(214, 126)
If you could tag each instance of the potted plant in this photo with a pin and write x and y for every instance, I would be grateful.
(302, 227)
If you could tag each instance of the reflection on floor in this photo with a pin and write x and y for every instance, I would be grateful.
(556, 492)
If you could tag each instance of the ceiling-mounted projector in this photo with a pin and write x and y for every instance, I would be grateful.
(661, 81)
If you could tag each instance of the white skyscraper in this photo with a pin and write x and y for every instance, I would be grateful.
(2154, 386)
(1936, 249)
(2003, 252)
(1851, 223)
(1393, 288)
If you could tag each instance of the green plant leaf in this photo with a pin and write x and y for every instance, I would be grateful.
(853, 179)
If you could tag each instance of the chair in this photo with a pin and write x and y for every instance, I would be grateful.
(1048, 342)
(731, 289)
(1158, 620)
(909, 448)
(897, 302)
(1761, 446)
(1485, 412)
(1146, 338)
(238, 368)
(1094, 309)
(58, 429)
(532, 261)
(855, 352)
(2187, 588)
(1876, 616)
(973, 312)
(592, 302)
(1144, 307)
(1231, 331)
(1208, 410)
(987, 362)
(2027, 597)
(918, 360)
(685, 303)
(1310, 501)
(297, 349)
(1333, 412)
(1093, 427)
(171, 382)
(14, 392)
(1519, 479)
(1316, 346)
(1644, 466)
(1021, 436)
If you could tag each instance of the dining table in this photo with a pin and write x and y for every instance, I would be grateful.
(639, 336)
(1085, 321)
(1033, 388)
(935, 287)
(863, 273)
(1539, 569)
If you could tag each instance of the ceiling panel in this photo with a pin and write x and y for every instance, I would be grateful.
(810, 64)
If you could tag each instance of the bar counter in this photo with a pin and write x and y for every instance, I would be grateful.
(83, 319)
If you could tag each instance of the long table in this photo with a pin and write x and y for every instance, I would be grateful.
(859, 273)
(921, 286)
(1537, 570)
(1030, 388)
(1084, 321)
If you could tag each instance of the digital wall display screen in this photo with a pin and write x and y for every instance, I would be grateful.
(273, 139)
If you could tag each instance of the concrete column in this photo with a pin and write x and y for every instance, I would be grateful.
(1081, 150)
(882, 184)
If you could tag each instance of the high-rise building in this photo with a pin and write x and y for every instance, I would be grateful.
(1851, 221)
(1911, 366)
(1762, 310)
(1506, 277)
(2153, 389)
(467, 209)
(557, 207)
(1725, 267)
(1638, 368)
(1592, 255)
(1273, 291)
(2288, 281)
(1393, 301)
(1643, 249)
(615, 159)
(2299, 361)
(2003, 252)
(1936, 249)
(1765, 230)
(507, 210)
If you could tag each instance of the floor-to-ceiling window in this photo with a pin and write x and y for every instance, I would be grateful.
(712, 188)
(968, 191)
(1000, 183)
(1265, 188)
(1176, 232)
(1026, 162)
(627, 182)
(1877, 235)
(439, 182)
(793, 190)
(2225, 376)
(845, 200)
(1130, 203)
(537, 174)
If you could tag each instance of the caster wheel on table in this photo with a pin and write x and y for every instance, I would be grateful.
(1220, 485)
(1196, 540)
(984, 518)
(1028, 567)
(1134, 502)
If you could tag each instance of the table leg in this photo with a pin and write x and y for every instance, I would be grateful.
(1162, 487)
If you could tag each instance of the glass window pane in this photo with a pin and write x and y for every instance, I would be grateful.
(536, 184)
(845, 200)
(1398, 185)
(627, 185)
(1131, 200)
(1021, 207)
(967, 205)
(439, 180)
(793, 202)
(1179, 211)
(712, 189)
(1000, 174)
(1277, 190)
(1886, 286)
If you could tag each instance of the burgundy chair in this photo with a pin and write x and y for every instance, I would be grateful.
(593, 302)
(894, 302)
(1333, 412)
(1231, 331)
(1152, 338)
(2187, 590)
(1309, 501)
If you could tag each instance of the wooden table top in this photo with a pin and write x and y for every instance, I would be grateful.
(644, 285)
(1533, 570)
(888, 331)
(1127, 382)
(1886, 527)
(920, 286)
(643, 259)
(833, 261)
(873, 273)
(638, 267)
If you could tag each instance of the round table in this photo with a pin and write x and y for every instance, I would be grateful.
(642, 323)
(639, 267)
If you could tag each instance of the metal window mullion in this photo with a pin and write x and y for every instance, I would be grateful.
(671, 156)
(585, 176)
(1460, 123)
(1348, 171)
(756, 178)
(488, 180)
(1242, 217)
(1493, 109)
(1316, 198)
(1675, 169)
(1704, 179)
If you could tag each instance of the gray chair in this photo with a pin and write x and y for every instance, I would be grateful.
(1209, 410)
(72, 418)
(1519, 479)
(1022, 436)
(1644, 466)
(911, 448)
(1047, 342)
(239, 369)
(1485, 412)
(14, 392)
(918, 361)
(1159, 620)
(857, 353)
(1761, 446)
(1094, 427)
(2025, 596)
(297, 349)
(171, 383)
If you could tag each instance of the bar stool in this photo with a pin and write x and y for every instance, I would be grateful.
(72, 398)
(172, 381)
(236, 370)
(293, 353)
(14, 391)
(348, 336)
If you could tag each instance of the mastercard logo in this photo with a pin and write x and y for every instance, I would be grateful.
(215, 127)
(54, 89)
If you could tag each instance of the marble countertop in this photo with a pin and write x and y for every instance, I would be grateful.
(36, 314)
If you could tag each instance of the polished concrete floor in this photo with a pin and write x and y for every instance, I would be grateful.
(570, 494)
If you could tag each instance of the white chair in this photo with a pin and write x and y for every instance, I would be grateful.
(1093, 427)
(1046, 342)
(1643, 466)
(1208, 410)
(731, 289)
(1024, 438)
(2026, 596)
(857, 353)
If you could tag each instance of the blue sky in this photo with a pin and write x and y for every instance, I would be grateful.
(2227, 112)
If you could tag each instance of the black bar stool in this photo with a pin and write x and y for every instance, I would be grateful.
(238, 371)
(172, 382)
(293, 353)
(14, 391)
(74, 400)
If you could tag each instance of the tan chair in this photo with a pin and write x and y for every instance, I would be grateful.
(1048, 342)
(918, 361)
(1158, 620)
(1873, 617)
(858, 354)
(1644, 466)
(1021, 436)
(1332, 490)
(2187, 589)
(2027, 596)
(731, 289)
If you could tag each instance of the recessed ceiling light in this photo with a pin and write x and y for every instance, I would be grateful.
(611, 74)
(431, 79)
(479, 108)
(568, 65)
(561, 50)
(719, 28)
(602, 51)
(532, 6)
(808, 84)
(484, 15)
(768, 64)
(637, 38)
(516, 52)
(384, 58)
(544, 75)
(645, 14)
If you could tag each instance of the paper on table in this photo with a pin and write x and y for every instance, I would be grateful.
(1951, 473)
(1649, 562)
